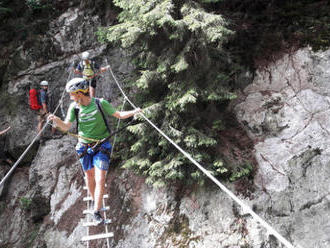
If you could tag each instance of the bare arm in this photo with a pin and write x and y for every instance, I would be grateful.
(126, 114)
(63, 125)
(103, 69)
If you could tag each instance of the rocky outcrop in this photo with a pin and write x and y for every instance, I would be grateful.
(52, 56)
(284, 111)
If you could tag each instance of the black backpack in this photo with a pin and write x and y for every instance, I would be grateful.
(99, 107)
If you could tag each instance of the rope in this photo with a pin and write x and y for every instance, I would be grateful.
(245, 207)
(117, 131)
(113, 147)
(73, 134)
(28, 148)
(70, 73)
(33, 141)
(96, 140)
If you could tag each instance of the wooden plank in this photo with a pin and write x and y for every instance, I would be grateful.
(89, 198)
(92, 211)
(98, 236)
(93, 223)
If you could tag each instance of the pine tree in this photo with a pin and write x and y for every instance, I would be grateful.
(184, 76)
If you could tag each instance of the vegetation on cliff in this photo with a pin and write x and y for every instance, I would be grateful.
(188, 56)
(185, 78)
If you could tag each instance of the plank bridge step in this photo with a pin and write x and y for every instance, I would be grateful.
(89, 198)
(98, 236)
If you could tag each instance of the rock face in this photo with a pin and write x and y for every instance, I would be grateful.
(284, 111)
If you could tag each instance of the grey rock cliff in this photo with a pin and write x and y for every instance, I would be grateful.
(284, 111)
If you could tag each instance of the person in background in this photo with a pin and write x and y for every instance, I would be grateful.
(93, 147)
(43, 112)
(89, 69)
(3, 156)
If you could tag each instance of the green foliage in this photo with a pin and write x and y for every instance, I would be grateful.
(31, 236)
(266, 30)
(183, 72)
(25, 203)
(242, 171)
(3, 9)
(35, 4)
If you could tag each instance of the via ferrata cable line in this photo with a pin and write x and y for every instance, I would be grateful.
(34, 140)
(70, 73)
(112, 149)
(244, 206)
(31, 144)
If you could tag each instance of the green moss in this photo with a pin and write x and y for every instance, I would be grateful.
(178, 232)
(243, 170)
(31, 236)
(25, 203)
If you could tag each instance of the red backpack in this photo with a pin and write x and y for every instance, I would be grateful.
(33, 99)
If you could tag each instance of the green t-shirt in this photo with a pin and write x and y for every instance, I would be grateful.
(91, 124)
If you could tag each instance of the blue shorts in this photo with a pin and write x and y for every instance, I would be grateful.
(99, 159)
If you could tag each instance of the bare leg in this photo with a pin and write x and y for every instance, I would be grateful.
(90, 182)
(99, 188)
(41, 120)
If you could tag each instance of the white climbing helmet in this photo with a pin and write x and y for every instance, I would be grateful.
(77, 84)
(44, 83)
(85, 55)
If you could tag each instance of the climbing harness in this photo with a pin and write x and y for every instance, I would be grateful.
(244, 206)
(96, 146)
(91, 149)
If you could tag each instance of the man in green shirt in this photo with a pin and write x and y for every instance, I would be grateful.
(91, 129)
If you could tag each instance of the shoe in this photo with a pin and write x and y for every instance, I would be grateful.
(98, 218)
